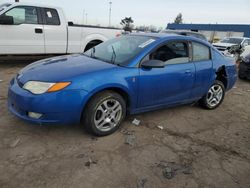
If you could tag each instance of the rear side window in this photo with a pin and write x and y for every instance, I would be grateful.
(51, 17)
(171, 53)
(23, 15)
(200, 52)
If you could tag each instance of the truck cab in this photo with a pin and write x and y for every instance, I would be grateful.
(30, 29)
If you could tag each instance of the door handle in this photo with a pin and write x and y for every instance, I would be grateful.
(38, 30)
(189, 72)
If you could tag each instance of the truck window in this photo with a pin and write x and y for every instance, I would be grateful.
(51, 17)
(200, 52)
(23, 15)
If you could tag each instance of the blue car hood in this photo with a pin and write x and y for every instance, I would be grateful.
(61, 68)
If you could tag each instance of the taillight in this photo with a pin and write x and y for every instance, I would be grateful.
(118, 34)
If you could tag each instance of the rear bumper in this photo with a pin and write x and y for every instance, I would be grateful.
(64, 107)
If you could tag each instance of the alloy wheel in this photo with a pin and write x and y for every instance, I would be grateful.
(215, 95)
(107, 115)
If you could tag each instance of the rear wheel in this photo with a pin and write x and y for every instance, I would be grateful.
(104, 113)
(214, 97)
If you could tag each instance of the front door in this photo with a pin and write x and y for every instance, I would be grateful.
(26, 35)
(171, 84)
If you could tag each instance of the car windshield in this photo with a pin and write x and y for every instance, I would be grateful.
(3, 6)
(232, 40)
(121, 49)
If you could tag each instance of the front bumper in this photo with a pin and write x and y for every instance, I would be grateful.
(63, 107)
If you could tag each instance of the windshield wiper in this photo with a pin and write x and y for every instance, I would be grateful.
(113, 55)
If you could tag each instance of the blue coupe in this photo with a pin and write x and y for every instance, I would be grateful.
(126, 75)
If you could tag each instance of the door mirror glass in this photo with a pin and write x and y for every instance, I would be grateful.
(6, 20)
(152, 64)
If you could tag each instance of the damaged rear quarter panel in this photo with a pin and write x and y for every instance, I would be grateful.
(227, 63)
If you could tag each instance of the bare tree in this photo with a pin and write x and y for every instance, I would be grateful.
(178, 19)
(127, 23)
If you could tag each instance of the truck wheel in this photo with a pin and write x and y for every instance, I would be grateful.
(214, 97)
(104, 113)
(92, 44)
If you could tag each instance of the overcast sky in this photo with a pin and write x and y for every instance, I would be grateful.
(154, 12)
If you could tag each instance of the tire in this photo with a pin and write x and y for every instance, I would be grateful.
(92, 44)
(104, 113)
(214, 97)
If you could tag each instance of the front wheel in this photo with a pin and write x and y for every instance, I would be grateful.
(104, 113)
(214, 97)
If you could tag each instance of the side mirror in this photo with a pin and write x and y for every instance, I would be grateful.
(6, 20)
(152, 64)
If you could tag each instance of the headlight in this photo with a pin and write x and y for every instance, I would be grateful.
(37, 87)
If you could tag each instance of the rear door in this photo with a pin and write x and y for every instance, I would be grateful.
(201, 57)
(26, 35)
(171, 84)
(55, 30)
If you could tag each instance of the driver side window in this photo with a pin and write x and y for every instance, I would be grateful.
(23, 15)
(171, 53)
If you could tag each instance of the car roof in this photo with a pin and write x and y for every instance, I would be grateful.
(167, 36)
(180, 31)
(13, 4)
(155, 35)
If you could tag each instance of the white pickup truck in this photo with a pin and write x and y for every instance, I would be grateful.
(30, 29)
